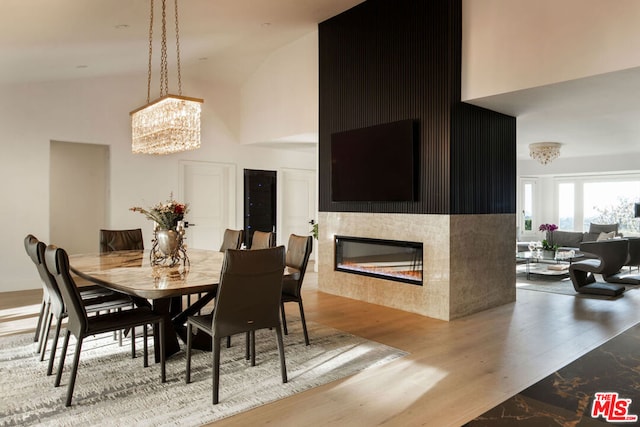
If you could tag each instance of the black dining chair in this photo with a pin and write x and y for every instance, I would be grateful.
(81, 325)
(232, 239)
(121, 240)
(262, 240)
(248, 299)
(298, 252)
(95, 299)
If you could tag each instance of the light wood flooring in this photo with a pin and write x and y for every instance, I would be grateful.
(455, 370)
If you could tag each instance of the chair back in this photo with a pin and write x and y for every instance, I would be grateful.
(57, 262)
(633, 260)
(121, 240)
(232, 239)
(35, 249)
(262, 240)
(298, 252)
(249, 292)
(612, 253)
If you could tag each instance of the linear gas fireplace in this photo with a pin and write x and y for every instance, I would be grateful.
(385, 259)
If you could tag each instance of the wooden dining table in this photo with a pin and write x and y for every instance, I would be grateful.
(160, 287)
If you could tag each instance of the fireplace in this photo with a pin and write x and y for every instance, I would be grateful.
(396, 260)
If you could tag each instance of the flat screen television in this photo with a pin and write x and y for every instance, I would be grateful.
(376, 163)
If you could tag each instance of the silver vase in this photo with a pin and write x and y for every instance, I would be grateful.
(168, 242)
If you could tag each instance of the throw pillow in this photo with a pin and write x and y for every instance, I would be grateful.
(606, 236)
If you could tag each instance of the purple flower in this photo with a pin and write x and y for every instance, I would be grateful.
(548, 227)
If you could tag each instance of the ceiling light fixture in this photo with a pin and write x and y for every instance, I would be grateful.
(171, 123)
(544, 152)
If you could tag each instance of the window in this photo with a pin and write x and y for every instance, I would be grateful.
(609, 202)
(574, 202)
(566, 211)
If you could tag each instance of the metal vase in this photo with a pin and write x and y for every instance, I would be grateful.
(168, 241)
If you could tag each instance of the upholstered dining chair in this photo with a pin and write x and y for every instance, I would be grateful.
(298, 252)
(121, 240)
(95, 299)
(81, 325)
(262, 240)
(248, 299)
(232, 239)
(601, 257)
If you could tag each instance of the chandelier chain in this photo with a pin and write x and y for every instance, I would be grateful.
(150, 53)
(178, 49)
(164, 69)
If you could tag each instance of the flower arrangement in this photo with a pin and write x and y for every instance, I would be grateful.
(166, 214)
(548, 227)
(545, 243)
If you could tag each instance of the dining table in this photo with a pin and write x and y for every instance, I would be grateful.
(160, 287)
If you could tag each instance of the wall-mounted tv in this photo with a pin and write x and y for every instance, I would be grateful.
(376, 163)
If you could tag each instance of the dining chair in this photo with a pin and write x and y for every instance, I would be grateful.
(248, 299)
(298, 252)
(262, 240)
(121, 240)
(232, 239)
(81, 325)
(95, 300)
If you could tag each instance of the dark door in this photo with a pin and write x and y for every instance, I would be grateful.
(259, 202)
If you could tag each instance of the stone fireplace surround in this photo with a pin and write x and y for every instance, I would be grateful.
(469, 262)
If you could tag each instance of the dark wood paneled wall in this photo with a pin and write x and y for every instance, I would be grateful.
(388, 60)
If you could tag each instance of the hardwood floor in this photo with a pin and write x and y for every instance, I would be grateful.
(455, 370)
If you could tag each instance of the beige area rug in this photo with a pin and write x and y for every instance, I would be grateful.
(115, 390)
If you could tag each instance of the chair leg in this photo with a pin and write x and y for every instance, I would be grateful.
(54, 344)
(163, 357)
(283, 365)
(304, 323)
(247, 349)
(253, 347)
(216, 369)
(145, 346)
(74, 371)
(45, 336)
(229, 341)
(44, 333)
(187, 378)
(62, 357)
(133, 342)
(39, 325)
(284, 319)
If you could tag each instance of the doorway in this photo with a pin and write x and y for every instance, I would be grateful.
(259, 203)
(78, 195)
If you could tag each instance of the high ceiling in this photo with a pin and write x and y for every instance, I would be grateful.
(225, 40)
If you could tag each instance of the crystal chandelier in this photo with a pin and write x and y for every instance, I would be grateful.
(171, 123)
(544, 152)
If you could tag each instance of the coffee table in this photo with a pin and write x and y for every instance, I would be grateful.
(546, 263)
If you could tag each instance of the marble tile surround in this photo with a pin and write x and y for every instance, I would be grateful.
(468, 261)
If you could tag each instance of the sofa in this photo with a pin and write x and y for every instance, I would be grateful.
(568, 240)
(571, 240)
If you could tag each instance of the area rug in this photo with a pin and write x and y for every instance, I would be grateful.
(556, 285)
(114, 389)
(607, 376)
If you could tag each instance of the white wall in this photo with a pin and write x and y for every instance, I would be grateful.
(280, 99)
(509, 45)
(97, 111)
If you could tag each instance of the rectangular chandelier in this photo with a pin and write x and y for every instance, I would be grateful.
(167, 125)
